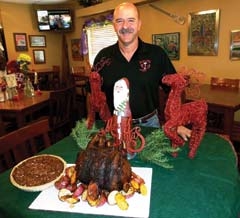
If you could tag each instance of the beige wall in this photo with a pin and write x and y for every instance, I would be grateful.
(221, 66)
(21, 18)
(18, 18)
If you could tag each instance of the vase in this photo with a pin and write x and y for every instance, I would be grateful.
(28, 88)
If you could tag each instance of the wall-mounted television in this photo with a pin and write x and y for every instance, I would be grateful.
(55, 20)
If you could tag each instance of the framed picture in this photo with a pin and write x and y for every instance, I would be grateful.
(235, 45)
(39, 56)
(20, 41)
(76, 50)
(203, 31)
(37, 40)
(170, 42)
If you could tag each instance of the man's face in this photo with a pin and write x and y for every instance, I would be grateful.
(126, 23)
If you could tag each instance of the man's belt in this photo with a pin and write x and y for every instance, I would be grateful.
(144, 119)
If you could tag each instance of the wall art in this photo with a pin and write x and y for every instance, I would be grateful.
(39, 56)
(235, 45)
(37, 40)
(20, 41)
(203, 31)
(170, 42)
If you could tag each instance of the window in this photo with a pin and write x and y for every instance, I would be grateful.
(99, 37)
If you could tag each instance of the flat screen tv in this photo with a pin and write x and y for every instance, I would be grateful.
(55, 20)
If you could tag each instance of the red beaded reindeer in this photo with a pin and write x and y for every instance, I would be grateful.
(177, 114)
(97, 100)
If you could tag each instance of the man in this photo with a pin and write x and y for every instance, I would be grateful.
(142, 64)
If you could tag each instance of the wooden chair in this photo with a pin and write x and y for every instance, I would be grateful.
(235, 135)
(23, 143)
(54, 83)
(80, 79)
(61, 109)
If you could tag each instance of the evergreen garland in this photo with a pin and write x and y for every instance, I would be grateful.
(81, 134)
(156, 149)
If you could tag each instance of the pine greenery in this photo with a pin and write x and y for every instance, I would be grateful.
(81, 134)
(157, 147)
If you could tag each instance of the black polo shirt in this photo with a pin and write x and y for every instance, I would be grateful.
(144, 72)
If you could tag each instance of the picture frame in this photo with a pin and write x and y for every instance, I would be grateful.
(203, 32)
(20, 41)
(169, 42)
(37, 40)
(235, 45)
(39, 56)
(76, 49)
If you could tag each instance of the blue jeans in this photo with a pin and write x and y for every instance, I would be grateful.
(151, 122)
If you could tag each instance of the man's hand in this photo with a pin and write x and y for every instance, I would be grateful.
(184, 132)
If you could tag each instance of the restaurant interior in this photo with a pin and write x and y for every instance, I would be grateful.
(57, 68)
(57, 77)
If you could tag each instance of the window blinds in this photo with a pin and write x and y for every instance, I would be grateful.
(99, 37)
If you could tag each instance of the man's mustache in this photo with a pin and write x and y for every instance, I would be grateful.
(128, 30)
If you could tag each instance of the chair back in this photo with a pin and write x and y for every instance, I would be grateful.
(80, 80)
(225, 83)
(61, 108)
(23, 143)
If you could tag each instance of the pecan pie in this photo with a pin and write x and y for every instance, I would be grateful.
(38, 172)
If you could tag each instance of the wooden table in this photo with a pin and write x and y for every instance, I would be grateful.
(222, 101)
(25, 106)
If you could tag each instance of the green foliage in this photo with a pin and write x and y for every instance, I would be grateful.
(81, 134)
(157, 148)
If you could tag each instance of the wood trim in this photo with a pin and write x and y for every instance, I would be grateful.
(105, 7)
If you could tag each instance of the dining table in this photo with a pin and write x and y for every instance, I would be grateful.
(224, 102)
(23, 108)
(207, 186)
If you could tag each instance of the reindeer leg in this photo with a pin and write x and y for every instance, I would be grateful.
(196, 137)
(170, 130)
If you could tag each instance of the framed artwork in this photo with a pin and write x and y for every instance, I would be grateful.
(39, 56)
(203, 31)
(76, 50)
(20, 41)
(235, 45)
(170, 42)
(37, 40)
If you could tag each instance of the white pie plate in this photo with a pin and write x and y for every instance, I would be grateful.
(39, 187)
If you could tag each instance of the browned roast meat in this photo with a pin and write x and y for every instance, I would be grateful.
(104, 165)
